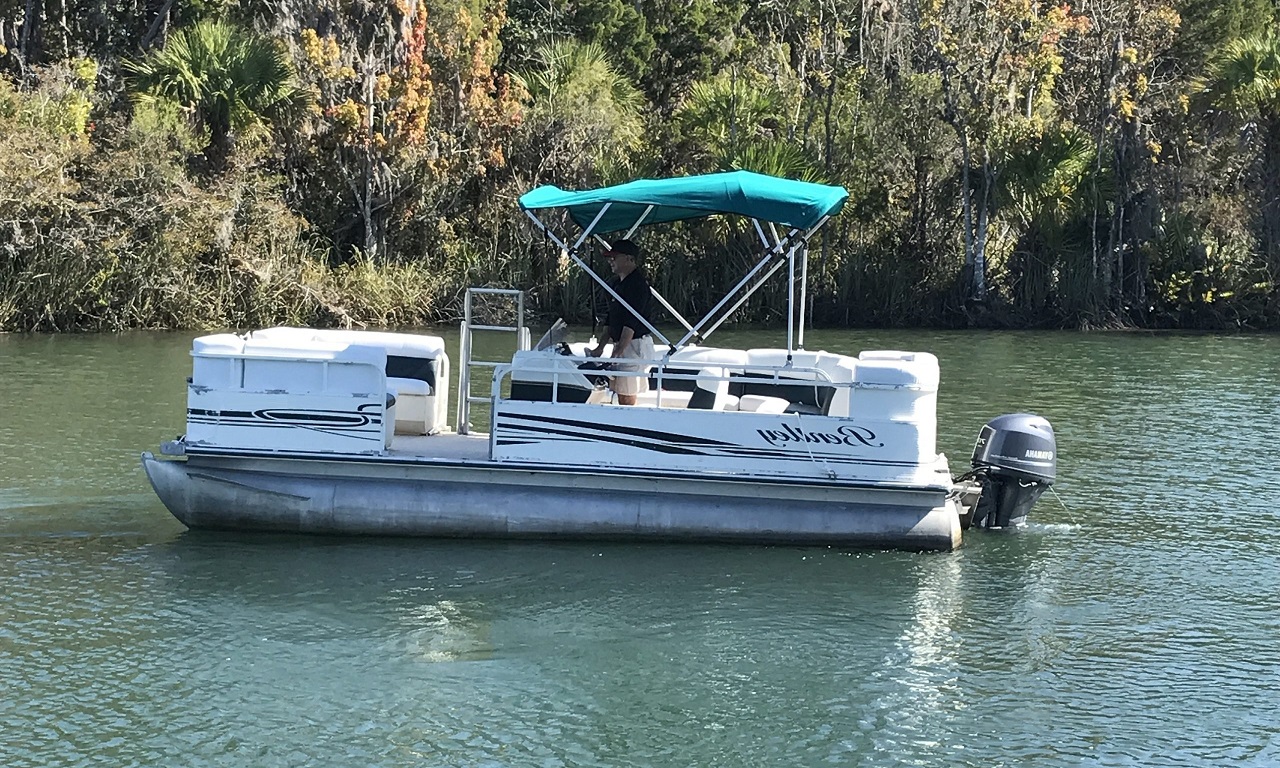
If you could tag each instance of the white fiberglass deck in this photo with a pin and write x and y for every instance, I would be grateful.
(445, 447)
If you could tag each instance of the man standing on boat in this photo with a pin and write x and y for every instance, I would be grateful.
(627, 330)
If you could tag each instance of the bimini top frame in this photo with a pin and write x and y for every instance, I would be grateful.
(799, 206)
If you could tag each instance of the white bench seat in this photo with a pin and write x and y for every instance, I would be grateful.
(762, 404)
(421, 404)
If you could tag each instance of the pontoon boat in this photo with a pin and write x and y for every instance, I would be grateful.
(346, 432)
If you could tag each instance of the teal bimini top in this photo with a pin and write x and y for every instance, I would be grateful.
(797, 204)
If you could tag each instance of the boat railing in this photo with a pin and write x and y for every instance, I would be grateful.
(700, 371)
(762, 373)
(465, 348)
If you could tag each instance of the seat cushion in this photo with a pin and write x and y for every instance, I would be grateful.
(408, 386)
(762, 404)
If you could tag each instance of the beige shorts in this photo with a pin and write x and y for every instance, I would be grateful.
(638, 349)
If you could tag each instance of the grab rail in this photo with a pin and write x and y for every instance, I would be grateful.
(659, 374)
(465, 398)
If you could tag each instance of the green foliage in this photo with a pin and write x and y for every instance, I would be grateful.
(730, 123)
(574, 79)
(1245, 78)
(112, 235)
(584, 118)
(1047, 178)
(1087, 165)
(1210, 25)
(692, 39)
(1205, 277)
(64, 102)
(230, 79)
(620, 29)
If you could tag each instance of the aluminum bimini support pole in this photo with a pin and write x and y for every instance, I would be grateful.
(638, 222)
(750, 276)
(804, 289)
(670, 309)
(776, 266)
(791, 301)
(573, 254)
(631, 231)
(774, 251)
(791, 285)
(765, 240)
(804, 273)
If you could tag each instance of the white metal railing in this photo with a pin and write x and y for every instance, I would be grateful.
(465, 398)
(301, 357)
(699, 371)
(695, 371)
(735, 372)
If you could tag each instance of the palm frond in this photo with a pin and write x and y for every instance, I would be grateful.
(1245, 78)
(1043, 175)
(594, 106)
(776, 158)
(229, 78)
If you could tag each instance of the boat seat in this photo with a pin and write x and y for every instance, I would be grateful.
(215, 361)
(803, 395)
(763, 404)
(712, 391)
(671, 398)
(409, 356)
(673, 379)
(544, 376)
(415, 365)
(404, 387)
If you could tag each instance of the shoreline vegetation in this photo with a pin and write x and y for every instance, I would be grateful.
(1016, 164)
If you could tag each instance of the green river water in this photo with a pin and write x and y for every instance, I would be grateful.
(1136, 622)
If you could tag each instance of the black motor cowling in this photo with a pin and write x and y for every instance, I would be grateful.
(1016, 460)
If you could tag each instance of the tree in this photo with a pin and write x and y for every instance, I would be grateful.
(1047, 186)
(1210, 25)
(585, 117)
(998, 64)
(692, 39)
(229, 79)
(735, 123)
(1244, 82)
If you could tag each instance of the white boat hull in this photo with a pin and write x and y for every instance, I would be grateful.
(375, 496)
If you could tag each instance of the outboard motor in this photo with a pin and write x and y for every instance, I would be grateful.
(1015, 460)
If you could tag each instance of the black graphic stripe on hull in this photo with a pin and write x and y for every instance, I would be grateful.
(607, 428)
(617, 440)
(286, 425)
(765, 453)
(533, 436)
(374, 435)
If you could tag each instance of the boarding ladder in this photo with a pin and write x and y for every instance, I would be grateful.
(465, 398)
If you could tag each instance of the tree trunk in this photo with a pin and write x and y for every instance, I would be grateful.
(66, 29)
(366, 209)
(966, 202)
(980, 235)
(30, 23)
(1269, 191)
(158, 25)
(218, 153)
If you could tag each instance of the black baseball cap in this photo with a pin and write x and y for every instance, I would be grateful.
(625, 247)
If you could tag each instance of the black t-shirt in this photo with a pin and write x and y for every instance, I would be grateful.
(635, 291)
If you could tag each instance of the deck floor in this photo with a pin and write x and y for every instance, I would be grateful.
(449, 446)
